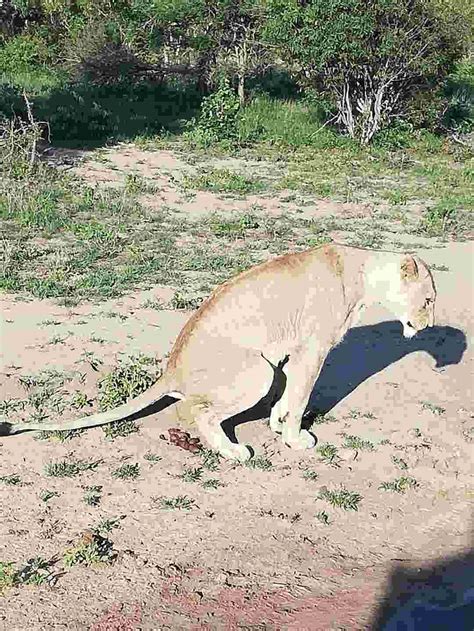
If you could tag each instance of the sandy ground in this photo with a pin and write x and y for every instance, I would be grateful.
(251, 554)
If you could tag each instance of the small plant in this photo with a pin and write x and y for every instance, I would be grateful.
(218, 118)
(80, 400)
(153, 304)
(125, 382)
(400, 485)
(259, 462)
(120, 429)
(11, 480)
(181, 502)
(92, 495)
(399, 462)
(308, 474)
(323, 517)
(212, 483)
(328, 454)
(98, 340)
(46, 495)
(91, 358)
(320, 419)
(439, 219)
(66, 469)
(107, 525)
(36, 571)
(7, 575)
(357, 443)
(127, 472)
(152, 458)
(134, 184)
(179, 301)
(355, 414)
(436, 409)
(344, 499)
(9, 406)
(92, 548)
(58, 339)
(439, 268)
(59, 435)
(210, 459)
(191, 474)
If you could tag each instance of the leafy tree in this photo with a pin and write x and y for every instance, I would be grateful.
(374, 57)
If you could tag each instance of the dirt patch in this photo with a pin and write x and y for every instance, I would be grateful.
(163, 171)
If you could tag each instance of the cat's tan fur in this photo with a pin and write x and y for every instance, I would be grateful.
(274, 324)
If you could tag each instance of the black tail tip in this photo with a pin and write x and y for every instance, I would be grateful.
(6, 428)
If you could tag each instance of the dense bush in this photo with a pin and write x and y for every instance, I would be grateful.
(108, 68)
(374, 57)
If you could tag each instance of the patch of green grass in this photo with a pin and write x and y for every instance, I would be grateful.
(152, 458)
(59, 435)
(126, 381)
(309, 474)
(356, 414)
(135, 184)
(212, 483)
(320, 419)
(58, 339)
(287, 124)
(46, 495)
(97, 339)
(223, 181)
(50, 322)
(153, 304)
(210, 459)
(399, 485)
(438, 410)
(357, 443)
(65, 469)
(181, 502)
(343, 498)
(439, 268)
(92, 495)
(120, 429)
(36, 571)
(259, 462)
(396, 197)
(127, 472)
(11, 480)
(80, 400)
(10, 406)
(181, 301)
(192, 474)
(328, 454)
(107, 524)
(234, 228)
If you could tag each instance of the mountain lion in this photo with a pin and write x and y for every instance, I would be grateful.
(264, 336)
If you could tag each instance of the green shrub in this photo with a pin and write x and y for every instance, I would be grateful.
(218, 118)
(22, 53)
(460, 94)
(373, 58)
